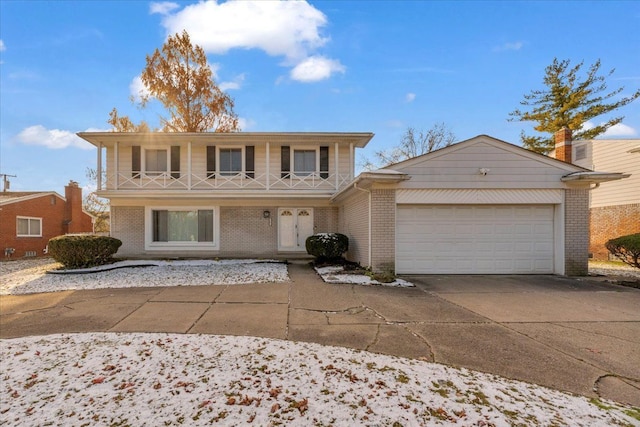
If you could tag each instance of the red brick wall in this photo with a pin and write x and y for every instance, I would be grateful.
(610, 222)
(52, 216)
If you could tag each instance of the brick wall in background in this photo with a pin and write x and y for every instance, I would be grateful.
(610, 222)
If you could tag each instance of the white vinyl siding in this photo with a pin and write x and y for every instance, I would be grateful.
(459, 168)
(475, 239)
(614, 156)
(28, 227)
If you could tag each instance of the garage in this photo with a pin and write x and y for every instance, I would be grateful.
(475, 239)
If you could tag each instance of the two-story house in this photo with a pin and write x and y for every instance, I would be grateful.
(614, 206)
(479, 206)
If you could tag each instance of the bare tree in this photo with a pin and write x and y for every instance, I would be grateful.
(413, 143)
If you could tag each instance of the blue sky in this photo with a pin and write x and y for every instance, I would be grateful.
(350, 66)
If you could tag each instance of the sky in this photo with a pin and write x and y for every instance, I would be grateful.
(333, 66)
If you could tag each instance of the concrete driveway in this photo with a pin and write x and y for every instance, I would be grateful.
(580, 336)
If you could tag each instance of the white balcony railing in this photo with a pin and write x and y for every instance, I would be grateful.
(218, 181)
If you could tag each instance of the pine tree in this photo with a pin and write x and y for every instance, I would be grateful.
(571, 101)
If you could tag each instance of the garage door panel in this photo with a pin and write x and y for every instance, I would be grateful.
(474, 239)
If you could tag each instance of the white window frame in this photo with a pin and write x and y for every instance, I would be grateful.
(230, 174)
(29, 219)
(143, 161)
(292, 160)
(150, 245)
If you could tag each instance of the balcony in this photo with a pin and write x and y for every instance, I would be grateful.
(315, 182)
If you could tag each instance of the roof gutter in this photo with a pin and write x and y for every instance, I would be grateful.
(594, 177)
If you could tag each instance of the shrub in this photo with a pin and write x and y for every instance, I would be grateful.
(327, 246)
(626, 248)
(80, 251)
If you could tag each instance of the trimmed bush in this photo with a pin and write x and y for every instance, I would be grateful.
(80, 251)
(327, 246)
(626, 248)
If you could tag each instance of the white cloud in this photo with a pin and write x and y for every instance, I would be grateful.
(620, 130)
(137, 89)
(316, 68)
(410, 97)
(162, 8)
(245, 124)
(2, 46)
(288, 29)
(53, 138)
(236, 83)
(616, 131)
(509, 46)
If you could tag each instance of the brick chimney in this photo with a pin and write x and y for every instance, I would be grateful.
(563, 144)
(73, 208)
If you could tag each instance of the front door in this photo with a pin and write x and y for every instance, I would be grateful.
(294, 226)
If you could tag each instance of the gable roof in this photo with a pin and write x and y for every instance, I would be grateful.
(531, 155)
(8, 197)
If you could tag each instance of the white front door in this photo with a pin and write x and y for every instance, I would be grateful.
(294, 226)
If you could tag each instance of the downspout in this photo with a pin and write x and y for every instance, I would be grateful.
(355, 185)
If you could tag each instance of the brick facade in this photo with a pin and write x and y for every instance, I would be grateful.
(576, 232)
(127, 224)
(58, 216)
(244, 231)
(383, 227)
(610, 222)
(354, 223)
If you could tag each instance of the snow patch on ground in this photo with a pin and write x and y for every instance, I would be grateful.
(169, 379)
(336, 274)
(128, 274)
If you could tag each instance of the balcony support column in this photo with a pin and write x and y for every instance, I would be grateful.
(116, 165)
(336, 168)
(267, 165)
(99, 160)
(189, 165)
(351, 160)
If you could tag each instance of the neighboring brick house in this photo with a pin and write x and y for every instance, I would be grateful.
(29, 219)
(479, 206)
(614, 206)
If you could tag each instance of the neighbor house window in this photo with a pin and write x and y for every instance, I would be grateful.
(182, 226)
(29, 227)
(155, 162)
(304, 162)
(230, 161)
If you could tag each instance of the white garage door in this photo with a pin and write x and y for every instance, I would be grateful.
(464, 239)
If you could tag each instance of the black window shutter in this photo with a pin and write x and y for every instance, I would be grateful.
(211, 161)
(160, 226)
(175, 161)
(205, 226)
(135, 161)
(285, 161)
(324, 162)
(249, 161)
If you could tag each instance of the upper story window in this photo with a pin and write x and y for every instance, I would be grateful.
(155, 161)
(230, 161)
(581, 152)
(304, 162)
(28, 227)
